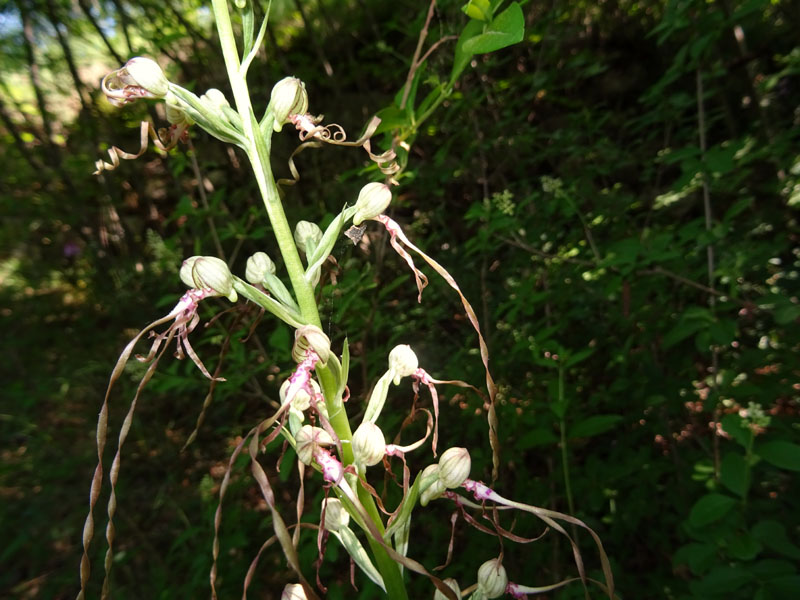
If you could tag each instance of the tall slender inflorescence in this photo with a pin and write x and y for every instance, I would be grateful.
(341, 441)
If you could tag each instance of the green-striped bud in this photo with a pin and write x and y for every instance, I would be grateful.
(373, 199)
(307, 236)
(258, 267)
(454, 467)
(402, 362)
(336, 516)
(369, 445)
(208, 273)
(492, 578)
(288, 98)
(146, 74)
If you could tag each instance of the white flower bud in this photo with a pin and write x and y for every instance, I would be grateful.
(258, 266)
(301, 400)
(372, 201)
(369, 445)
(293, 591)
(307, 236)
(492, 578)
(308, 439)
(336, 516)
(146, 74)
(453, 585)
(208, 272)
(311, 337)
(288, 98)
(454, 466)
(402, 362)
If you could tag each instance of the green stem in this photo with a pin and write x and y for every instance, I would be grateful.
(563, 428)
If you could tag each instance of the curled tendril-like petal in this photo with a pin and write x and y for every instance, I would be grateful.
(313, 135)
(399, 241)
(164, 139)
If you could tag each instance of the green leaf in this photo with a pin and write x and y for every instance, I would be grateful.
(478, 9)
(733, 426)
(721, 580)
(699, 557)
(594, 425)
(710, 508)
(773, 535)
(733, 473)
(784, 455)
(506, 29)
(536, 437)
(742, 546)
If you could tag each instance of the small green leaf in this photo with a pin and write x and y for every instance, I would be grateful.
(594, 426)
(710, 508)
(784, 455)
(478, 9)
(506, 29)
(733, 473)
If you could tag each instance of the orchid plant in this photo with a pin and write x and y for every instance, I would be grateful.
(313, 415)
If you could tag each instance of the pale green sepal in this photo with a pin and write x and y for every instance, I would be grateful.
(328, 241)
(212, 123)
(359, 555)
(345, 368)
(268, 303)
(276, 287)
(378, 398)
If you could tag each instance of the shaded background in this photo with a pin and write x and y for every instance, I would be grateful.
(619, 190)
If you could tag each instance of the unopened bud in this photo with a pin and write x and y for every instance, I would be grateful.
(369, 445)
(145, 73)
(492, 578)
(140, 78)
(208, 273)
(402, 362)
(288, 98)
(307, 236)
(336, 516)
(372, 201)
(308, 439)
(453, 585)
(454, 466)
(258, 267)
(293, 591)
(311, 337)
(432, 488)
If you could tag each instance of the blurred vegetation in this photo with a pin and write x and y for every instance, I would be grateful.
(618, 196)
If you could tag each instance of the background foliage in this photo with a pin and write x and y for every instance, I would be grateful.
(619, 191)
